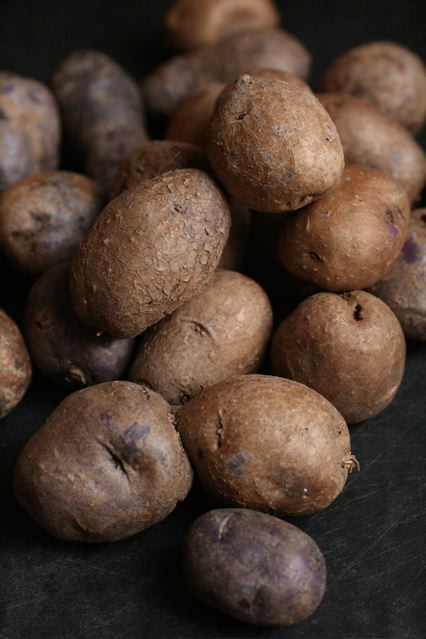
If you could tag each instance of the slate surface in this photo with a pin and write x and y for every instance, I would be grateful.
(373, 536)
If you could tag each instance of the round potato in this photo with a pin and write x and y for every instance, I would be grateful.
(155, 158)
(350, 237)
(63, 348)
(106, 464)
(267, 443)
(221, 332)
(15, 365)
(386, 74)
(349, 348)
(254, 567)
(224, 62)
(272, 145)
(404, 288)
(373, 139)
(191, 24)
(44, 217)
(151, 249)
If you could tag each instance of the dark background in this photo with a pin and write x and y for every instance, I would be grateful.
(373, 535)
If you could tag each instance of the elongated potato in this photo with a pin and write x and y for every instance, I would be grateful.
(15, 365)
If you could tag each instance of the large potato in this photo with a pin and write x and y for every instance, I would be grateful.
(267, 443)
(151, 249)
(15, 365)
(221, 332)
(106, 464)
(272, 145)
(350, 237)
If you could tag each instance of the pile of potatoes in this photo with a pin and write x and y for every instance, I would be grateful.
(141, 306)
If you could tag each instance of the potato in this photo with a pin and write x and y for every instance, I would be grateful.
(61, 346)
(151, 249)
(372, 139)
(221, 332)
(267, 443)
(155, 158)
(191, 24)
(254, 567)
(15, 365)
(44, 217)
(167, 85)
(272, 145)
(276, 74)
(29, 128)
(387, 75)
(102, 112)
(349, 348)
(106, 464)
(350, 237)
(404, 288)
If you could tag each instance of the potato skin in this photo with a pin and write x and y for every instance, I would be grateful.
(102, 111)
(106, 464)
(44, 217)
(340, 245)
(272, 145)
(349, 348)
(167, 85)
(404, 288)
(191, 24)
(15, 365)
(63, 348)
(254, 567)
(151, 249)
(374, 140)
(267, 443)
(155, 158)
(386, 74)
(221, 332)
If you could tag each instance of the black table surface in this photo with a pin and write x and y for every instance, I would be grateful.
(373, 535)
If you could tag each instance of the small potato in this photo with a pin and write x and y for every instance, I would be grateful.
(272, 145)
(254, 567)
(224, 62)
(155, 158)
(404, 288)
(351, 236)
(151, 249)
(61, 346)
(386, 74)
(349, 348)
(15, 365)
(44, 217)
(372, 139)
(221, 332)
(267, 443)
(102, 112)
(106, 464)
(191, 24)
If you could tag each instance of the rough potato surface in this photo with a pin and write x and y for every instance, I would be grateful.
(15, 365)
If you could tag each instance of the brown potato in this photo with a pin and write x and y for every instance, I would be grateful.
(351, 236)
(151, 249)
(372, 139)
(254, 567)
(63, 348)
(221, 332)
(245, 52)
(349, 348)
(191, 24)
(15, 365)
(44, 217)
(155, 158)
(102, 112)
(106, 464)
(267, 443)
(386, 74)
(272, 145)
(404, 288)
